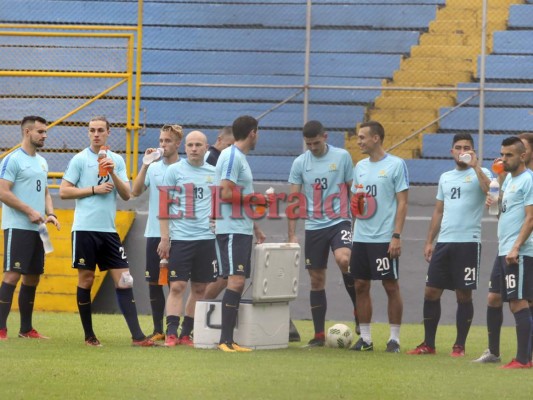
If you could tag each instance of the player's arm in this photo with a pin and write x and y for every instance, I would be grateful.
(523, 236)
(483, 179)
(292, 238)
(138, 186)
(260, 236)
(49, 210)
(68, 191)
(163, 249)
(8, 198)
(434, 228)
(226, 190)
(395, 246)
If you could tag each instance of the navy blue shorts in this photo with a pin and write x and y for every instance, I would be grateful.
(319, 242)
(454, 266)
(235, 254)
(371, 261)
(515, 280)
(23, 252)
(192, 259)
(495, 285)
(98, 248)
(152, 260)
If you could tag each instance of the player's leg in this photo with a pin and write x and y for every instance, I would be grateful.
(395, 312)
(7, 289)
(317, 245)
(174, 307)
(235, 256)
(341, 245)
(531, 311)
(197, 293)
(215, 288)
(361, 272)
(518, 289)
(431, 314)
(464, 316)
(26, 302)
(155, 291)
(494, 313)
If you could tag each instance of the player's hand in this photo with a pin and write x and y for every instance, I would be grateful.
(512, 257)
(109, 164)
(395, 248)
(104, 188)
(260, 237)
(52, 219)
(163, 249)
(488, 200)
(35, 217)
(428, 252)
(292, 239)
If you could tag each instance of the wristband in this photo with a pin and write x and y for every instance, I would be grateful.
(396, 235)
(51, 215)
(93, 190)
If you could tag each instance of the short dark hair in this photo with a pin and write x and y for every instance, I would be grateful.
(31, 119)
(313, 129)
(243, 125)
(101, 118)
(514, 140)
(225, 131)
(528, 137)
(463, 136)
(375, 128)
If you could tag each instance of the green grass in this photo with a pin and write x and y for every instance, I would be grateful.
(65, 368)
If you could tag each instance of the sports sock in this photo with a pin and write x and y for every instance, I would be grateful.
(494, 327)
(6, 298)
(349, 284)
(230, 308)
(431, 321)
(465, 313)
(157, 303)
(523, 335)
(365, 333)
(395, 333)
(173, 323)
(187, 326)
(319, 306)
(26, 300)
(531, 342)
(126, 303)
(83, 297)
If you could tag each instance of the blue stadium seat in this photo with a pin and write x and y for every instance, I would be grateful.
(504, 98)
(521, 16)
(496, 119)
(508, 67)
(513, 42)
(438, 145)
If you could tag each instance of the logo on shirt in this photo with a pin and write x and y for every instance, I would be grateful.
(209, 179)
(382, 174)
(332, 167)
(468, 179)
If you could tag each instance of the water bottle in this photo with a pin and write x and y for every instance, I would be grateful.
(260, 209)
(153, 156)
(163, 272)
(45, 237)
(126, 280)
(466, 158)
(494, 194)
(102, 155)
(361, 199)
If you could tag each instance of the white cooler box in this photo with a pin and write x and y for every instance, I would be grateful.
(263, 321)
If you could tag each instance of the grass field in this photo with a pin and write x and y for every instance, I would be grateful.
(64, 367)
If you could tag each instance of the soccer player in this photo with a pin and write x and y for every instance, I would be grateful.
(494, 298)
(26, 203)
(151, 176)
(323, 172)
(454, 262)
(224, 140)
(234, 234)
(187, 240)
(94, 236)
(376, 237)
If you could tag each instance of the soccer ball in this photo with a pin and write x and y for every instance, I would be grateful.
(339, 337)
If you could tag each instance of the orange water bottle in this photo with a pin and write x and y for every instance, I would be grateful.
(102, 155)
(497, 166)
(163, 272)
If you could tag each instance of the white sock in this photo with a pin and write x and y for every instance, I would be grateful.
(395, 333)
(365, 333)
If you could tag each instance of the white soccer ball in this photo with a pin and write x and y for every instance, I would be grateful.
(339, 337)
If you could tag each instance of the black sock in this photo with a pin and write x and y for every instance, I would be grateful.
(349, 284)
(157, 302)
(319, 306)
(6, 298)
(230, 309)
(465, 313)
(494, 327)
(531, 343)
(431, 321)
(126, 304)
(173, 323)
(523, 335)
(84, 307)
(26, 300)
(187, 326)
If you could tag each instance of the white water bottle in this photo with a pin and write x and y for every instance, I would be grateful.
(494, 194)
(45, 237)
(153, 156)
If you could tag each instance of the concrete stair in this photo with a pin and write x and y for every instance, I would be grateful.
(445, 56)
